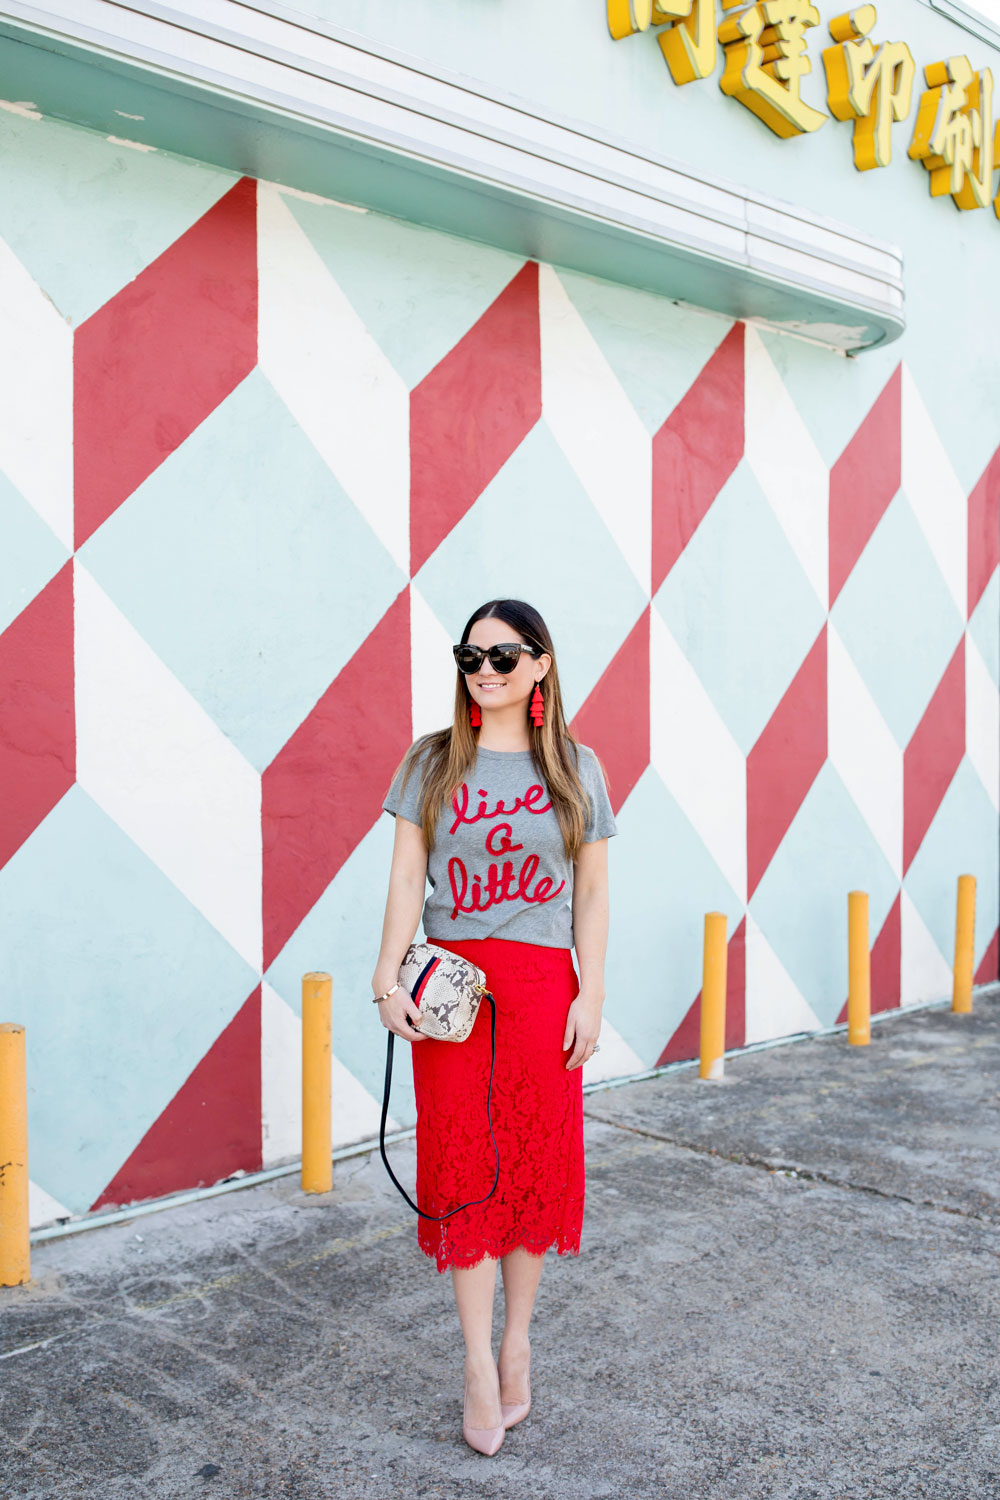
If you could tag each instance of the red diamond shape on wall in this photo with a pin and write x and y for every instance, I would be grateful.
(153, 362)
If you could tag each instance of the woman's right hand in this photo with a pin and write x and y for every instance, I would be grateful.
(396, 1013)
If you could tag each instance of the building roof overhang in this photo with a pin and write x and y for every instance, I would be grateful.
(276, 95)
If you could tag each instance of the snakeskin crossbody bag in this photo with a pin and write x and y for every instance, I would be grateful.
(446, 989)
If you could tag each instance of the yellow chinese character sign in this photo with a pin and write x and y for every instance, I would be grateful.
(766, 61)
(953, 136)
(687, 43)
(871, 86)
(868, 83)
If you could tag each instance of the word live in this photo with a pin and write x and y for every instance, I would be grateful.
(871, 83)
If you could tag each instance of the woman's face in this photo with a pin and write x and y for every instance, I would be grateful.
(494, 690)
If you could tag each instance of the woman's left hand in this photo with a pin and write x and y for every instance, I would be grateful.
(583, 1027)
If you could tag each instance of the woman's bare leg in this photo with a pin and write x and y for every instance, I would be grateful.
(521, 1271)
(475, 1289)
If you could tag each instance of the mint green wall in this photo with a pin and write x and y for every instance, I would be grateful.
(81, 217)
(563, 60)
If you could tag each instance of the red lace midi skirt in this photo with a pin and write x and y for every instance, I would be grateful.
(537, 1107)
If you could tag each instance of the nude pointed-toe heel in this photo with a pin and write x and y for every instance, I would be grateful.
(516, 1411)
(483, 1439)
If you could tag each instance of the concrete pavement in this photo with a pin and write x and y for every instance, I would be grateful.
(789, 1287)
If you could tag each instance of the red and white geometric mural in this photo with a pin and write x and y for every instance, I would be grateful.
(255, 494)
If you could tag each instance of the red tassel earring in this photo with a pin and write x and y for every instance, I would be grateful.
(536, 707)
(475, 715)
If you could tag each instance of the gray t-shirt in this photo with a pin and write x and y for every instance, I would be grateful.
(498, 867)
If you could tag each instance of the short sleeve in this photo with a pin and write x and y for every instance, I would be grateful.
(409, 802)
(601, 822)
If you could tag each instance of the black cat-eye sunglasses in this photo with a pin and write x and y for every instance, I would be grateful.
(503, 657)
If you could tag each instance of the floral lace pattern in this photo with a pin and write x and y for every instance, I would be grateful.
(537, 1109)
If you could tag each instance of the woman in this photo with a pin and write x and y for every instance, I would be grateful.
(507, 816)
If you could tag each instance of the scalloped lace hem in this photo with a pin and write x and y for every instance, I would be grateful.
(445, 1258)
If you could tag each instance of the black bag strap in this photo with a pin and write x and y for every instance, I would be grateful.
(489, 1117)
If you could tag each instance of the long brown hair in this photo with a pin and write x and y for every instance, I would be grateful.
(451, 752)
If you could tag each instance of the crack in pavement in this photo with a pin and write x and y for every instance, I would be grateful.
(136, 1310)
(140, 1311)
(747, 1159)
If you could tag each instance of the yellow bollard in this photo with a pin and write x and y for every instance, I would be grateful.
(15, 1252)
(965, 945)
(859, 970)
(317, 1049)
(713, 996)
